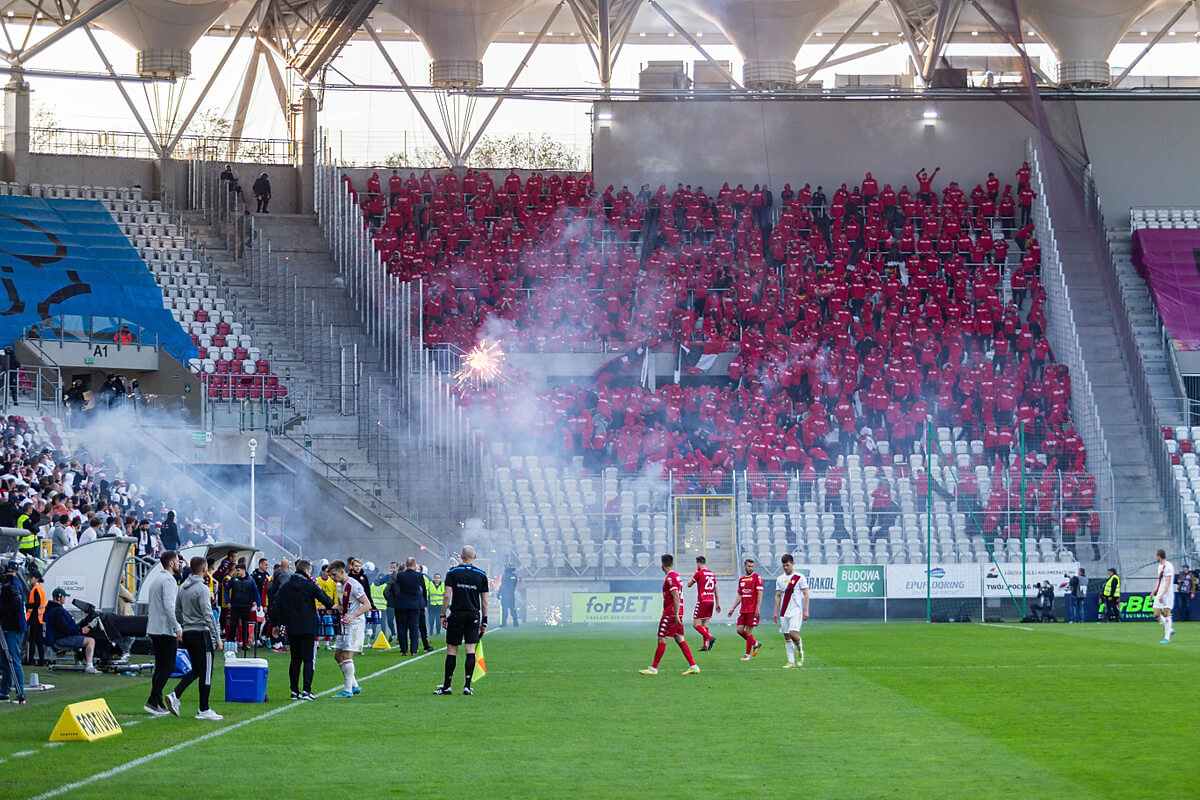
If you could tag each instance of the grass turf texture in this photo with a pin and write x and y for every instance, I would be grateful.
(902, 710)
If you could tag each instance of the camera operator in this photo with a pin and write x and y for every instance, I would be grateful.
(1045, 605)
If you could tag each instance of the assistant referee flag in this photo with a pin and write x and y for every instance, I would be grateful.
(480, 667)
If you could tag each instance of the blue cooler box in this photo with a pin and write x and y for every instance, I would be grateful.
(246, 680)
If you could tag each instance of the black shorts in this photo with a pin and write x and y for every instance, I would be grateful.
(462, 628)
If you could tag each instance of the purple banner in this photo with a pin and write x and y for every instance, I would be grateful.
(1169, 262)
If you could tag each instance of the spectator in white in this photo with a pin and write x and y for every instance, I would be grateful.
(89, 533)
(147, 544)
(114, 527)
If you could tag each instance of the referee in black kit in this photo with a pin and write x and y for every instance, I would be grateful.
(464, 615)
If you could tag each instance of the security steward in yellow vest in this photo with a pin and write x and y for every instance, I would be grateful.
(436, 592)
(1110, 596)
(379, 599)
(28, 543)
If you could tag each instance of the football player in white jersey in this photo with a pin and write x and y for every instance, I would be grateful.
(790, 612)
(354, 604)
(1164, 595)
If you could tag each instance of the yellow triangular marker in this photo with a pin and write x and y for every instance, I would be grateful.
(381, 643)
(85, 722)
(480, 667)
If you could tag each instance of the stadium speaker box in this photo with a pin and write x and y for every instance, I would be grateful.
(948, 78)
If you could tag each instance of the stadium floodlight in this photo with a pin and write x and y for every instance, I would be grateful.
(253, 444)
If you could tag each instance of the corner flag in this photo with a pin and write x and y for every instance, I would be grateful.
(480, 667)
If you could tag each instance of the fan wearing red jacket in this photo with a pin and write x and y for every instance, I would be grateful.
(670, 626)
(750, 594)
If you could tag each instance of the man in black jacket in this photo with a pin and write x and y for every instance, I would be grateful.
(278, 579)
(243, 600)
(407, 587)
(262, 193)
(295, 605)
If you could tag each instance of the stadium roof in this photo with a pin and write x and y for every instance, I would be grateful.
(308, 36)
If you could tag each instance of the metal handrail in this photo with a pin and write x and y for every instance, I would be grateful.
(336, 474)
(1068, 350)
(1147, 412)
(217, 490)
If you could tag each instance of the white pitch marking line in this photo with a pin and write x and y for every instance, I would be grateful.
(998, 625)
(23, 753)
(137, 762)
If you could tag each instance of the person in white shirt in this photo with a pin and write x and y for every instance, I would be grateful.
(790, 611)
(88, 535)
(1164, 595)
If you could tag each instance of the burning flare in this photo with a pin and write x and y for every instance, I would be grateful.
(483, 364)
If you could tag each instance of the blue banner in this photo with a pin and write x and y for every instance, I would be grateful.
(68, 257)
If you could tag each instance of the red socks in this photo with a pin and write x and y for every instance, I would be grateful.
(658, 653)
(704, 632)
(750, 642)
(687, 653)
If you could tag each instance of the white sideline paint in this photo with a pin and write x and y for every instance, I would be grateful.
(998, 625)
(175, 748)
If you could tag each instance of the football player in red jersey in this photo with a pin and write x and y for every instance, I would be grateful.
(750, 593)
(671, 624)
(706, 601)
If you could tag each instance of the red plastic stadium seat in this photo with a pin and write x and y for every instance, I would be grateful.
(1185, 445)
(218, 340)
(223, 328)
(1168, 432)
(201, 315)
(239, 353)
(222, 365)
(235, 367)
(203, 352)
(262, 366)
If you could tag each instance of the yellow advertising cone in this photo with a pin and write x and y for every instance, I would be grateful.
(381, 643)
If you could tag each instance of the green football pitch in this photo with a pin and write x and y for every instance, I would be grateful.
(902, 710)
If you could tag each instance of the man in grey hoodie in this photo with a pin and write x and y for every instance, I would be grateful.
(200, 637)
(163, 627)
(60, 537)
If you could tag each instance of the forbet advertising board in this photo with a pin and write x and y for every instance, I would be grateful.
(616, 607)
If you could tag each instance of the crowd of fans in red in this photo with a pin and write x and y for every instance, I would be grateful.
(855, 319)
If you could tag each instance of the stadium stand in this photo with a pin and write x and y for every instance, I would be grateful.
(68, 260)
(834, 307)
(1164, 218)
(220, 351)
